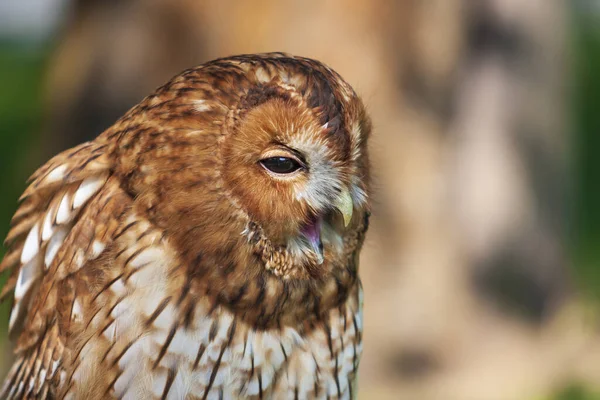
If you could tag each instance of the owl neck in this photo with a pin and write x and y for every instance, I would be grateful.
(260, 283)
(246, 278)
(270, 287)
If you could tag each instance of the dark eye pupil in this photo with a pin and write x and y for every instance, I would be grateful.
(280, 165)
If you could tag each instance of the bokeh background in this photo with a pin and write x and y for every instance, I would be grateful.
(482, 267)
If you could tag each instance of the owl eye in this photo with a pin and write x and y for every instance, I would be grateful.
(281, 165)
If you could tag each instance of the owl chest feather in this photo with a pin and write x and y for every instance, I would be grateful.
(146, 338)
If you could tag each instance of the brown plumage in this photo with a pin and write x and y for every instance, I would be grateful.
(204, 246)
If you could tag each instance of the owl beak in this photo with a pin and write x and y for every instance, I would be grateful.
(345, 206)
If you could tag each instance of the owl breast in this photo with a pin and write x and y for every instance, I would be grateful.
(148, 333)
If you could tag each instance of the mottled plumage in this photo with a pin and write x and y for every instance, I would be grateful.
(198, 248)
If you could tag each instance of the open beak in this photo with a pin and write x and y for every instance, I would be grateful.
(312, 233)
(344, 206)
(312, 230)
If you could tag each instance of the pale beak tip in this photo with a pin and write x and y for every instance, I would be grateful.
(347, 219)
(345, 206)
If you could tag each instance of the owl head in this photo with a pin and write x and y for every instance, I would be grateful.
(255, 166)
(297, 167)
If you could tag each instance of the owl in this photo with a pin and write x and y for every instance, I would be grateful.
(204, 246)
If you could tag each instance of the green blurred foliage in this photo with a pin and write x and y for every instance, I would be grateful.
(586, 119)
(575, 392)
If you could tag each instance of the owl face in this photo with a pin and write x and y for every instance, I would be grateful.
(294, 176)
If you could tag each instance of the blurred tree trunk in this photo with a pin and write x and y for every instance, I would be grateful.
(470, 152)
(510, 153)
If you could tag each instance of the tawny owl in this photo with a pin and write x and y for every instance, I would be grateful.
(204, 246)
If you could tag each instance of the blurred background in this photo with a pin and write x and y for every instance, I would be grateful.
(482, 267)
